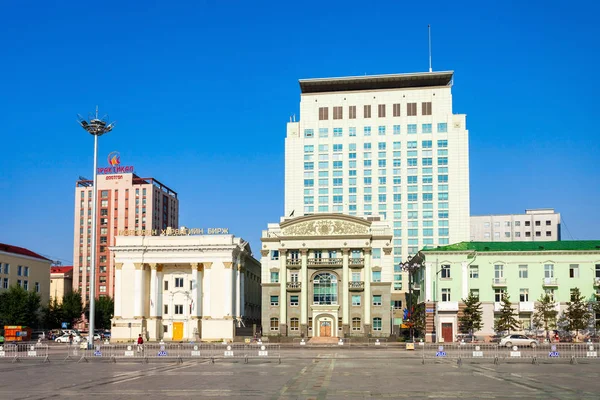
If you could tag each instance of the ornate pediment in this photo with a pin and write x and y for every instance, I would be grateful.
(325, 227)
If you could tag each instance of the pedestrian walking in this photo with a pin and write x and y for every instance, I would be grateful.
(70, 339)
(140, 343)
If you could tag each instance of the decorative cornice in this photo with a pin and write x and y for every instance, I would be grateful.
(207, 265)
(119, 266)
(153, 266)
(138, 266)
(264, 253)
(227, 264)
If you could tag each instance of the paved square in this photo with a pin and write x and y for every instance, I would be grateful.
(303, 374)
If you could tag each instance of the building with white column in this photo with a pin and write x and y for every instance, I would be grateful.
(327, 275)
(184, 287)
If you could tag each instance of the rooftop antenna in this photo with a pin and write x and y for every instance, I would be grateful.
(429, 33)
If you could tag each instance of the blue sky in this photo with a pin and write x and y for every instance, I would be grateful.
(202, 91)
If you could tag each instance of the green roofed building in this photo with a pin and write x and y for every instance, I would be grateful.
(523, 270)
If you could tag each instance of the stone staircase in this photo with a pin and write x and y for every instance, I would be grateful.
(323, 341)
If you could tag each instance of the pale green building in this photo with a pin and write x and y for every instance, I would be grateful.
(523, 270)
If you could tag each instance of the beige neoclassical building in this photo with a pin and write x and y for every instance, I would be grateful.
(327, 275)
(184, 287)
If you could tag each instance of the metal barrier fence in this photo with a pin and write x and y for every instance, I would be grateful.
(17, 351)
(377, 342)
(459, 352)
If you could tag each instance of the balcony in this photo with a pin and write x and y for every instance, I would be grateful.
(324, 262)
(356, 286)
(497, 306)
(597, 282)
(447, 306)
(293, 263)
(549, 282)
(526, 306)
(294, 286)
(356, 262)
(499, 282)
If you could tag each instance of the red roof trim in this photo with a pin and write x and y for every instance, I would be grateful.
(60, 270)
(21, 251)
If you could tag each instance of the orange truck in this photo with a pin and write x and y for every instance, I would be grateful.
(16, 333)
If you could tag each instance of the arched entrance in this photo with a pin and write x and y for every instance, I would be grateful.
(325, 326)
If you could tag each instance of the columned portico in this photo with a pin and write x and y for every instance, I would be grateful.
(282, 292)
(345, 293)
(367, 322)
(304, 292)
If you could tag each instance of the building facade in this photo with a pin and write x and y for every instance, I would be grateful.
(327, 275)
(24, 268)
(61, 282)
(184, 287)
(383, 145)
(125, 202)
(523, 270)
(539, 225)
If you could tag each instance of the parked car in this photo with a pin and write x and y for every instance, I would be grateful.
(518, 340)
(65, 339)
(466, 338)
(96, 337)
(105, 334)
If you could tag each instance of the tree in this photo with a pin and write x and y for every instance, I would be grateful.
(19, 307)
(52, 314)
(577, 315)
(72, 308)
(105, 309)
(471, 320)
(545, 314)
(507, 320)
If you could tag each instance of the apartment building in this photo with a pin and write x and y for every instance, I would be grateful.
(523, 270)
(536, 225)
(383, 145)
(125, 202)
(25, 268)
(61, 282)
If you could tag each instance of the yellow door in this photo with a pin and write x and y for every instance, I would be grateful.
(177, 330)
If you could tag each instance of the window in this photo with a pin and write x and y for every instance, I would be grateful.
(548, 271)
(445, 294)
(274, 254)
(104, 194)
(376, 276)
(548, 233)
(445, 271)
(574, 271)
(325, 289)
(274, 300)
(294, 301)
(498, 271)
(517, 223)
(411, 109)
(523, 271)
(538, 234)
(323, 113)
(337, 112)
(474, 271)
(6, 269)
(538, 223)
(26, 271)
(498, 294)
(381, 110)
(550, 293)
(426, 128)
(475, 293)
(26, 285)
(411, 128)
(352, 112)
(178, 282)
(426, 108)
(396, 110)
(377, 324)
(274, 277)
(308, 133)
(523, 295)
(356, 299)
(37, 287)
(597, 270)
(166, 286)
(397, 304)
(573, 294)
(20, 270)
(367, 112)
(527, 223)
(274, 324)
(294, 322)
(528, 234)
(18, 282)
(166, 309)
(442, 127)
(376, 299)
(178, 309)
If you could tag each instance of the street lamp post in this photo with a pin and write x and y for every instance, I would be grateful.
(411, 266)
(96, 127)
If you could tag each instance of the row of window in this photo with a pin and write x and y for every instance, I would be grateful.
(517, 234)
(523, 294)
(425, 144)
(338, 181)
(329, 278)
(446, 271)
(356, 301)
(411, 111)
(22, 283)
(295, 324)
(21, 270)
(518, 223)
(382, 130)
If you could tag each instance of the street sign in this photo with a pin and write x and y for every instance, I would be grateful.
(429, 310)
(162, 353)
(97, 353)
(64, 325)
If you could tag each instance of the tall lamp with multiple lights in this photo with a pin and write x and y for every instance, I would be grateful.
(411, 267)
(96, 127)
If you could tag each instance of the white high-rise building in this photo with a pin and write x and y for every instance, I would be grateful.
(382, 145)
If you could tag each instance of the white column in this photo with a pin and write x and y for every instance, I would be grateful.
(238, 290)
(345, 288)
(304, 289)
(159, 291)
(368, 300)
(138, 290)
(199, 291)
(428, 291)
(153, 291)
(227, 294)
(465, 280)
(206, 281)
(282, 289)
(243, 292)
(118, 288)
(195, 283)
